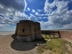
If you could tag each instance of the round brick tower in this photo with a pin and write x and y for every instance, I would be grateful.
(28, 30)
(25, 30)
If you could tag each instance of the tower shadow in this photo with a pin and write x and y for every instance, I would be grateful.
(25, 46)
(22, 46)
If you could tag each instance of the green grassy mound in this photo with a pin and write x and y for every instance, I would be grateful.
(57, 45)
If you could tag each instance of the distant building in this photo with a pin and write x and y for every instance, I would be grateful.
(28, 30)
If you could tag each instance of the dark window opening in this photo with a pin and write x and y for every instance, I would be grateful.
(23, 30)
(38, 28)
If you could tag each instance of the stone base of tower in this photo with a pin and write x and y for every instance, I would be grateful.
(28, 38)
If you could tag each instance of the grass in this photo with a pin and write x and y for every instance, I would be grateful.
(57, 45)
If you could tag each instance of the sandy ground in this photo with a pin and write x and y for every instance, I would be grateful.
(67, 35)
(10, 46)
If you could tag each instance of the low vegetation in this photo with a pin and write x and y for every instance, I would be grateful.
(56, 45)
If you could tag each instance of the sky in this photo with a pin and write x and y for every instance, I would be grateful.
(52, 14)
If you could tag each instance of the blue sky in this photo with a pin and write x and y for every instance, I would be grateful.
(52, 14)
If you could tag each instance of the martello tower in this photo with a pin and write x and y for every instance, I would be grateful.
(28, 30)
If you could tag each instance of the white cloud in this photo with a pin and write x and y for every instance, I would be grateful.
(10, 15)
(60, 18)
(25, 5)
(48, 6)
(33, 11)
(39, 10)
(33, 18)
(1, 6)
(36, 13)
(42, 15)
(28, 9)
